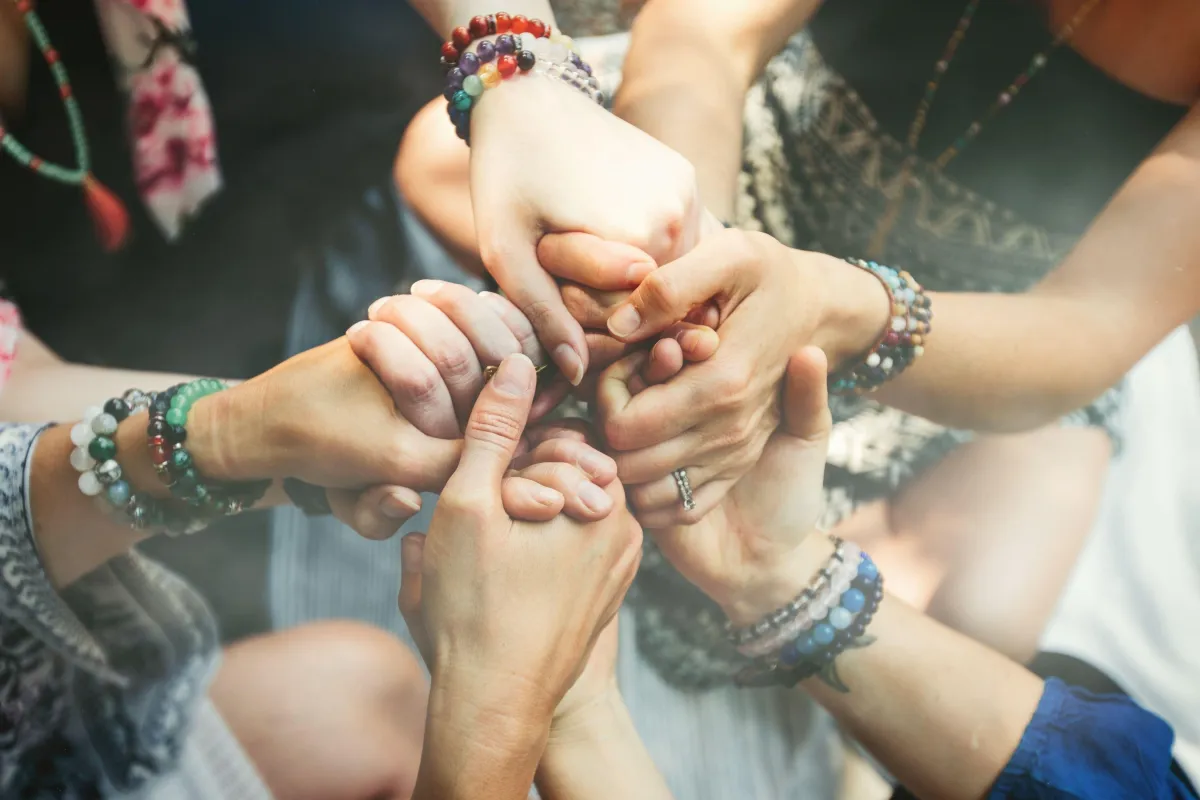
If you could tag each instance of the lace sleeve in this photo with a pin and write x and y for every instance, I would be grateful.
(97, 683)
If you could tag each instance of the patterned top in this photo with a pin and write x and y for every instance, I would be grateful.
(819, 167)
(96, 682)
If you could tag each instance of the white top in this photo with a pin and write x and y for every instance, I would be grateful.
(1132, 606)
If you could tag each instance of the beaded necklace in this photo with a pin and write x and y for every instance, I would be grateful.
(1003, 99)
(108, 214)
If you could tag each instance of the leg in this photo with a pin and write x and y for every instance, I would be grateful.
(432, 171)
(327, 710)
(986, 540)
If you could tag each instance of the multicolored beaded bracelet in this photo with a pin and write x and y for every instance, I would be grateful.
(94, 456)
(553, 55)
(814, 651)
(809, 607)
(489, 25)
(166, 435)
(902, 341)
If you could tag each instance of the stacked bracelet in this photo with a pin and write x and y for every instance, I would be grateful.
(522, 46)
(903, 340)
(810, 646)
(166, 436)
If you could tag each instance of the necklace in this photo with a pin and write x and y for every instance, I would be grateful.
(1002, 100)
(108, 214)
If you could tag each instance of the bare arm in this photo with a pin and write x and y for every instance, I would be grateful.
(14, 59)
(444, 15)
(685, 79)
(1014, 362)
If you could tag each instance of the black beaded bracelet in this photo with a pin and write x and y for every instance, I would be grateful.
(312, 500)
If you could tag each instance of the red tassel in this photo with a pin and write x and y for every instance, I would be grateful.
(108, 214)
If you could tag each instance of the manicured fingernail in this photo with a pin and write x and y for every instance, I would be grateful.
(625, 321)
(515, 377)
(375, 306)
(546, 497)
(398, 505)
(362, 323)
(595, 498)
(569, 362)
(638, 271)
(426, 288)
(414, 555)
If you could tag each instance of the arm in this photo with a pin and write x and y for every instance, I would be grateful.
(444, 15)
(685, 79)
(14, 60)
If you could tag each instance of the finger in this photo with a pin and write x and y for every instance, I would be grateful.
(471, 314)
(613, 394)
(592, 261)
(412, 564)
(598, 467)
(518, 325)
(698, 342)
(719, 266)
(806, 396)
(530, 501)
(515, 267)
(592, 307)
(573, 429)
(664, 363)
(706, 498)
(651, 463)
(376, 513)
(549, 397)
(441, 342)
(583, 500)
(495, 427)
(413, 381)
(663, 493)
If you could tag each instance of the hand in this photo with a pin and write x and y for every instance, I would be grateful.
(507, 607)
(715, 418)
(577, 168)
(752, 550)
(433, 349)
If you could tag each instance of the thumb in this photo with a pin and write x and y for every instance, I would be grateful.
(806, 396)
(495, 426)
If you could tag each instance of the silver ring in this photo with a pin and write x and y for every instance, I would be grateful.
(685, 489)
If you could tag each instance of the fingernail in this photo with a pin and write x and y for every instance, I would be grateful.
(427, 287)
(625, 321)
(362, 323)
(569, 362)
(545, 497)
(375, 306)
(593, 463)
(414, 555)
(398, 505)
(595, 498)
(638, 271)
(515, 377)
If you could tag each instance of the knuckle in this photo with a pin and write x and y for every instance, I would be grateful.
(617, 434)
(456, 363)
(659, 291)
(498, 426)
(419, 383)
(467, 508)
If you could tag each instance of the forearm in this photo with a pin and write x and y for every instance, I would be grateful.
(686, 76)
(942, 713)
(477, 747)
(600, 756)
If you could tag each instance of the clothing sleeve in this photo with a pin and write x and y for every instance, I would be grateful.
(97, 682)
(1084, 745)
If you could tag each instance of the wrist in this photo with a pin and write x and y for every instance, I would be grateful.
(228, 436)
(771, 585)
(731, 54)
(855, 309)
(588, 729)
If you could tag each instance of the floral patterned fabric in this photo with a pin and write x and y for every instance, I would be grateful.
(170, 120)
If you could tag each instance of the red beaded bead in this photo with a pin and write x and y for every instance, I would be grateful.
(65, 90)
(157, 440)
(478, 26)
(461, 37)
(537, 28)
(506, 65)
(24, 6)
(158, 454)
(449, 50)
(520, 23)
(892, 339)
(51, 56)
(503, 22)
(35, 163)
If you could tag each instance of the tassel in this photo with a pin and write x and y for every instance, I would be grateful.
(108, 214)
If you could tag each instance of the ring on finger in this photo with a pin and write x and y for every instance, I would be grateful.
(684, 484)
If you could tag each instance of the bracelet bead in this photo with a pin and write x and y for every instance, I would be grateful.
(486, 51)
(503, 22)
(520, 23)
(461, 37)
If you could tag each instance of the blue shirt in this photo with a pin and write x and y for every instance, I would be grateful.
(1093, 747)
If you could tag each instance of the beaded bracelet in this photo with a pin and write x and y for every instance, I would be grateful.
(481, 26)
(901, 343)
(166, 435)
(551, 54)
(814, 651)
(810, 606)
